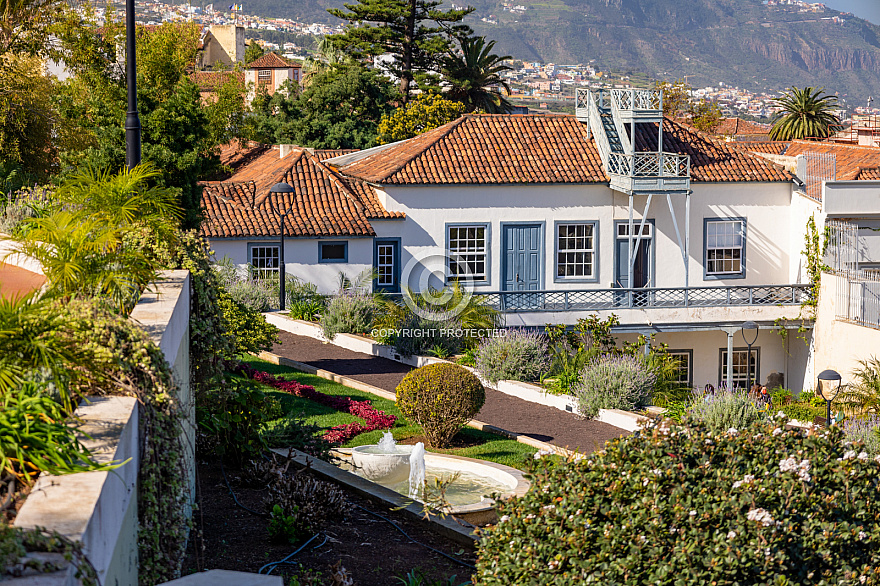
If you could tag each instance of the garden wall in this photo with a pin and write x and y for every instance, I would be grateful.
(839, 345)
(100, 508)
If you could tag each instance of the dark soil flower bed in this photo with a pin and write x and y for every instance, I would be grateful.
(371, 550)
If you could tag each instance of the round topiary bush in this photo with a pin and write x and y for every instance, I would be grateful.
(441, 398)
(681, 505)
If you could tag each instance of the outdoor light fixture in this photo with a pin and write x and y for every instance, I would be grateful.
(828, 376)
(279, 189)
(750, 326)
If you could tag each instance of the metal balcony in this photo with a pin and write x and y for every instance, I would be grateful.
(670, 298)
(650, 172)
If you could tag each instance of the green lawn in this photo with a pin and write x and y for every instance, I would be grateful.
(493, 447)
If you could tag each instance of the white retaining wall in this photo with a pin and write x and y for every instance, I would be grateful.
(100, 508)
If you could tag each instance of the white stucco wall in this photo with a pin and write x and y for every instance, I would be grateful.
(840, 345)
(767, 208)
(301, 258)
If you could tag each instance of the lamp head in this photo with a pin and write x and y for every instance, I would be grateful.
(749, 325)
(830, 376)
(282, 187)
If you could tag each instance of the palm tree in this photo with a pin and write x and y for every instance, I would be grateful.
(474, 77)
(862, 397)
(806, 113)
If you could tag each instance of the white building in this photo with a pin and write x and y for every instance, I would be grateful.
(539, 210)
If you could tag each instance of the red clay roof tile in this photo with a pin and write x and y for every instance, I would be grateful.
(541, 148)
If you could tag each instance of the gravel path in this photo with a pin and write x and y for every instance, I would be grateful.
(511, 413)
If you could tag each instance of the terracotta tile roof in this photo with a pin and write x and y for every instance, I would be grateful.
(712, 159)
(541, 148)
(483, 148)
(325, 203)
(272, 61)
(769, 147)
(851, 159)
(211, 80)
(735, 126)
(869, 174)
(236, 154)
(324, 154)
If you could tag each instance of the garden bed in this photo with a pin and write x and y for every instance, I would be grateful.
(371, 550)
(476, 444)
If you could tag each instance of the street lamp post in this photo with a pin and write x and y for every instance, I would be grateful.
(751, 326)
(280, 210)
(828, 376)
(132, 120)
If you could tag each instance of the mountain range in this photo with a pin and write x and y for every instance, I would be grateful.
(744, 43)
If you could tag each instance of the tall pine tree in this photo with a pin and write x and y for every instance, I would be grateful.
(415, 32)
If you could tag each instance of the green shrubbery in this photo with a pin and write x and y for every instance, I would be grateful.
(349, 312)
(723, 409)
(520, 355)
(683, 505)
(247, 328)
(614, 382)
(441, 398)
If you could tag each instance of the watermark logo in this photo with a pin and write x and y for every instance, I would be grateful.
(426, 276)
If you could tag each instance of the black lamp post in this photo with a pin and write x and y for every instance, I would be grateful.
(750, 326)
(829, 376)
(132, 120)
(279, 189)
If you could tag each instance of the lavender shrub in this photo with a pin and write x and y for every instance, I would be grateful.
(520, 355)
(864, 429)
(614, 382)
(723, 409)
(350, 311)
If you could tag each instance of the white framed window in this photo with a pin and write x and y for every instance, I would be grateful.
(744, 374)
(265, 260)
(647, 229)
(576, 250)
(725, 248)
(468, 245)
(684, 367)
(385, 264)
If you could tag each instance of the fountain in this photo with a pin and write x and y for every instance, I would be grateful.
(405, 470)
(417, 470)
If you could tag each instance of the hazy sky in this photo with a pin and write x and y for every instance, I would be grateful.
(867, 9)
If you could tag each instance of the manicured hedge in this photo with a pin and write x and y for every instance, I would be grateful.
(683, 506)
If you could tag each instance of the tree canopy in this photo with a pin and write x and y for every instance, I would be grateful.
(180, 133)
(416, 33)
(678, 103)
(424, 112)
(341, 108)
(806, 113)
(474, 76)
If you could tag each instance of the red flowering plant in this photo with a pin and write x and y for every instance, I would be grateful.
(373, 418)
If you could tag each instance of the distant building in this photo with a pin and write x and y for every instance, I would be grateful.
(271, 71)
(222, 44)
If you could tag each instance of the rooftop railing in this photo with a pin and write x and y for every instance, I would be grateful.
(633, 99)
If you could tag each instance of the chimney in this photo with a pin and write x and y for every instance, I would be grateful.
(286, 149)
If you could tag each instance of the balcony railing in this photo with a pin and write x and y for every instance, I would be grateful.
(637, 99)
(653, 298)
(650, 165)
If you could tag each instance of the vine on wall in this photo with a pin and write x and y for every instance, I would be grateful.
(130, 363)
